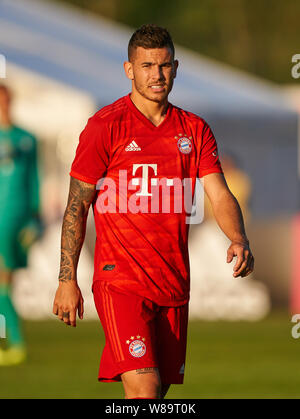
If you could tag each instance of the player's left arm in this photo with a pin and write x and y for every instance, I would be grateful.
(229, 216)
(33, 228)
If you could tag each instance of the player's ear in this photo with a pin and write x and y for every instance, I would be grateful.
(128, 70)
(176, 63)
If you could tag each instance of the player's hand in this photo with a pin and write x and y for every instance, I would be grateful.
(245, 261)
(68, 300)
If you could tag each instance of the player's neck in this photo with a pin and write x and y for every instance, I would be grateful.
(154, 111)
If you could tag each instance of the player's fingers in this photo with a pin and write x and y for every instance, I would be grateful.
(249, 267)
(246, 273)
(242, 263)
(230, 255)
(240, 260)
(60, 313)
(72, 318)
(55, 309)
(66, 315)
(240, 271)
(81, 309)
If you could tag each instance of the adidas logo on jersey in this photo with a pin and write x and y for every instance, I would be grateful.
(133, 147)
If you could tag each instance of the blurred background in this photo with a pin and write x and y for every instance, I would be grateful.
(63, 62)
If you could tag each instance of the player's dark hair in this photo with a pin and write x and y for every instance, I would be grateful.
(150, 36)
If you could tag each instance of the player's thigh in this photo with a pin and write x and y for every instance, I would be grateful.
(129, 326)
(172, 331)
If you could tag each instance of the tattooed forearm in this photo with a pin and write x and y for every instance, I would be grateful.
(146, 370)
(81, 195)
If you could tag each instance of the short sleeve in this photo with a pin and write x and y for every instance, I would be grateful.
(92, 154)
(209, 158)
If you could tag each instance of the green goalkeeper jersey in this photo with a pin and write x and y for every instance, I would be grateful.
(19, 186)
(19, 194)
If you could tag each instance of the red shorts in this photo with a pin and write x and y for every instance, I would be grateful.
(140, 334)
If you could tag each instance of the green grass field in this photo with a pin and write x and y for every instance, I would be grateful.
(224, 360)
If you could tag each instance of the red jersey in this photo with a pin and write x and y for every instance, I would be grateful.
(140, 213)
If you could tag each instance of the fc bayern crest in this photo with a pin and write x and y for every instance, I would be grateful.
(184, 145)
(137, 348)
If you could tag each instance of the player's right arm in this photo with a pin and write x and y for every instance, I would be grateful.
(68, 297)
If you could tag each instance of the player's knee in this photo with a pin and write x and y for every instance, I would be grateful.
(150, 389)
(146, 393)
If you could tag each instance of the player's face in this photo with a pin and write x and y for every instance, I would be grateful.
(152, 72)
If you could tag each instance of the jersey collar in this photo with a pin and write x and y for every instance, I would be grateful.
(145, 120)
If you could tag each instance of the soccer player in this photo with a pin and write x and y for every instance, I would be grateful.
(19, 218)
(132, 158)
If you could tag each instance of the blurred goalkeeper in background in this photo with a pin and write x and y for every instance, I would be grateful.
(19, 218)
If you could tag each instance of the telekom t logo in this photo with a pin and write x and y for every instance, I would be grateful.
(145, 172)
(145, 177)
